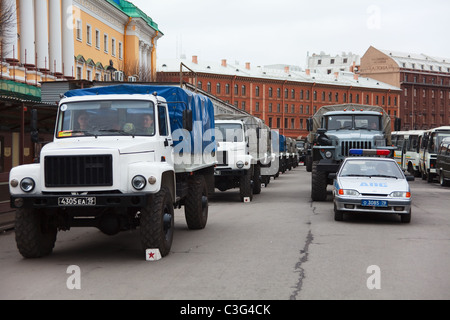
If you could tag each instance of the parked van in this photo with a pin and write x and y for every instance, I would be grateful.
(443, 162)
(428, 151)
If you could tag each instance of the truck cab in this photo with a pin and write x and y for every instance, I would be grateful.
(240, 154)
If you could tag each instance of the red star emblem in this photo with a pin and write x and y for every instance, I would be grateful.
(151, 255)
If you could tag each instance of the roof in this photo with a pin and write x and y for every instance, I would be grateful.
(422, 62)
(134, 12)
(268, 72)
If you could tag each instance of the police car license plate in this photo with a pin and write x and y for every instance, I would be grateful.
(77, 201)
(374, 203)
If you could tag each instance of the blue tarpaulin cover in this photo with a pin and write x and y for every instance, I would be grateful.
(178, 99)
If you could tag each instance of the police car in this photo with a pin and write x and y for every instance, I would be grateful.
(371, 184)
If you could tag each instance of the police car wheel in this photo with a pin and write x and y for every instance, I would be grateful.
(406, 218)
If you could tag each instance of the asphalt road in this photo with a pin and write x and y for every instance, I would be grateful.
(281, 246)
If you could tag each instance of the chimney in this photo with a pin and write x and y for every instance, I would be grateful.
(336, 75)
(286, 69)
(308, 72)
(224, 62)
(247, 65)
(194, 59)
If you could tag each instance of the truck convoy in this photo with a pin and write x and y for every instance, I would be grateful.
(243, 149)
(336, 129)
(122, 157)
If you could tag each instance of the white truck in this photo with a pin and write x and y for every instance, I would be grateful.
(242, 148)
(122, 157)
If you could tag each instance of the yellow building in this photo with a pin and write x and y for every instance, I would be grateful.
(100, 40)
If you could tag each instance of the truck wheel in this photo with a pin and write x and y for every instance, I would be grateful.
(35, 235)
(196, 206)
(442, 180)
(245, 186)
(157, 222)
(257, 179)
(318, 183)
(308, 163)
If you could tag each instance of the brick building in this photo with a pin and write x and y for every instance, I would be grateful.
(424, 80)
(283, 98)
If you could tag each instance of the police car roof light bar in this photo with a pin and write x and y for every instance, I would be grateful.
(369, 152)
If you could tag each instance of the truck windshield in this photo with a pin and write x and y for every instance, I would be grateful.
(363, 121)
(229, 132)
(106, 118)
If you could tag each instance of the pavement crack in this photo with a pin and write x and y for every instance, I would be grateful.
(299, 265)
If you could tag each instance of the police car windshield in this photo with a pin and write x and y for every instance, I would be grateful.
(371, 168)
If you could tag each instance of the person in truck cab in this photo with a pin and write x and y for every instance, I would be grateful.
(83, 121)
(148, 126)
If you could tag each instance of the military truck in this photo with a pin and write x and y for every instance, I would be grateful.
(122, 157)
(242, 149)
(336, 129)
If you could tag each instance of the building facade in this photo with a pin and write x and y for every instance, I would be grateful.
(425, 84)
(329, 64)
(283, 98)
(100, 40)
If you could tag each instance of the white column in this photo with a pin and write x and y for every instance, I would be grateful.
(10, 47)
(41, 17)
(27, 50)
(55, 51)
(68, 39)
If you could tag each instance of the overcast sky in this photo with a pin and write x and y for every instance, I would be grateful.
(265, 32)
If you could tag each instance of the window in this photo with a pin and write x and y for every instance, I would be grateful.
(243, 105)
(257, 91)
(292, 94)
(113, 47)
(218, 88)
(278, 93)
(270, 92)
(278, 122)
(332, 61)
(79, 30)
(227, 89)
(270, 122)
(270, 108)
(243, 90)
(120, 50)
(301, 94)
(286, 123)
(208, 87)
(257, 106)
(88, 34)
(79, 73)
(163, 129)
(236, 89)
(105, 42)
(97, 39)
(292, 123)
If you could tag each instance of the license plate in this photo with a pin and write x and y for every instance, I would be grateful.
(374, 203)
(77, 201)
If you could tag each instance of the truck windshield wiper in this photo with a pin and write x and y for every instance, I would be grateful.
(116, 131)
(354, 175)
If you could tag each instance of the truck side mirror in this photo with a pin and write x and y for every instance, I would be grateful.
(34, 126)
(187, 119)
(309, 124)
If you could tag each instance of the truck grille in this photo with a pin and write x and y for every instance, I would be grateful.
(222, 158)
(78, 171)
(347, 145)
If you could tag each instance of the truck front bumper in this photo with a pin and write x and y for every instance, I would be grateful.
(79, 201)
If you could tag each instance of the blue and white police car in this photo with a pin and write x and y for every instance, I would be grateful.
(367, 183)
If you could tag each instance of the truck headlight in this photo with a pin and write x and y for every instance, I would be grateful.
(240, 164)
(138, 182)
(328, 154)
(27, 184)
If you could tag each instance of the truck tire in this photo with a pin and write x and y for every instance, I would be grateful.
(196, 205)
(35, 235)
(308, 163)
(257, 179)
(157, 222)
(245, 186)
(318, 183)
